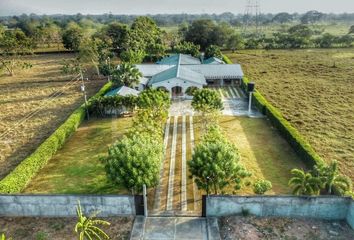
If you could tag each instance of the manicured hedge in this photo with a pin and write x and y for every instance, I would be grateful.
(17, 180)
(291, 134)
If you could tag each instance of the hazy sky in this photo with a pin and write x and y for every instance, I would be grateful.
(11, 7)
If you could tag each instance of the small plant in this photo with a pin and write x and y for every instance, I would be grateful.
(87, 227)
(41, 236)
(3, 237)
(261, 186)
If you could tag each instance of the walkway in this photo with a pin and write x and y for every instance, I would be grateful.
(171, 228)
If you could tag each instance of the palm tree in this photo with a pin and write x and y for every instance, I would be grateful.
(87, 228)
(332, 179)
(126, 75)
(304, 183)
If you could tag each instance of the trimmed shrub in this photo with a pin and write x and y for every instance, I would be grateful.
(291, 134)
(17, 180)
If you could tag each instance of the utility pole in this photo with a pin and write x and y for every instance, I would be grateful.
(83, 90)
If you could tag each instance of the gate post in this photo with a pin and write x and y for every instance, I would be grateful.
(204, 207)
(145, 201)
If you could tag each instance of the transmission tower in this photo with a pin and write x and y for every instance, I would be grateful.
(251, 17)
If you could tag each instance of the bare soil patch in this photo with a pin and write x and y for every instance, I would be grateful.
(59, 228)
(253, 228)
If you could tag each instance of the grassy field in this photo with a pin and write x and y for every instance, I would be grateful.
(27, 91)
(76, 167)
(314, 91)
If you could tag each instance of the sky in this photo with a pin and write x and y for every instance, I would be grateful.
(16, 7)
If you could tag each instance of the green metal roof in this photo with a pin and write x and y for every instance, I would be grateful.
(122, 91)
(181, 59)
(179, 72)
(213, 60)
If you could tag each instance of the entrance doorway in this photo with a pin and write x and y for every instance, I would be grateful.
(177, 91)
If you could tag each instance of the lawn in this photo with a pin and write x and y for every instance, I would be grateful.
(314, 91)
(27, 91)
(263, 152)
(76, 167)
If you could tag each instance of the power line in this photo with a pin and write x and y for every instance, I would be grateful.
(38, 109)
(251, 17)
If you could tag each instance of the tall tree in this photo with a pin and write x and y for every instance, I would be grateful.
(213, 51)
(187, 48)
(13, 45)
(235, 42)
(215, 163)
(126, 75)
(304, 183)
(72, 37)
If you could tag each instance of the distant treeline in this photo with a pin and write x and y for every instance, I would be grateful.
(177, 19)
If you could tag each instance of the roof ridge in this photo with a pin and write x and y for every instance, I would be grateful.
(178, 65)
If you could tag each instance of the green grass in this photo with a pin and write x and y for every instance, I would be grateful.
(314, 91)
(76, 167)
(263, 152)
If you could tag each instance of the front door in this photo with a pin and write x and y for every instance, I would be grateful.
(177, 91)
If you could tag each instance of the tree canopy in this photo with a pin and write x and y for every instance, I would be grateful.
(215, 163)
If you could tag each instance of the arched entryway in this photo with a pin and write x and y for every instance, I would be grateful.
(177, 91)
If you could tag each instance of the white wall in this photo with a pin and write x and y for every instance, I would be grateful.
(176, 82)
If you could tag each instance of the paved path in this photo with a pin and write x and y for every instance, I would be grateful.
(184, 166)
(171, 228)
(171, 178)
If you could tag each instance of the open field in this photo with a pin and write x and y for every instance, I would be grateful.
(59, 228)
(42, 87)
(314, 89)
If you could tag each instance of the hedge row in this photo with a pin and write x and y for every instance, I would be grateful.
(17, 180)
(291, 134)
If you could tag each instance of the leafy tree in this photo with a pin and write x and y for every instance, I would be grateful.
(88, 53)
(351, 30)
(87, 227)
(13, 45)
(346, 40)
(205, 33)
(153, 105)
(215, 163)
(332, 179)
(115, 34)
(72, 37)
(208, 103)
(133, 56)
(126, 75)
(261, 186)
(213, 51)
(235, 42)
(304, 183)
(134, 161)
(326, 40)
(311, 17)
(282, 18)
(187, 48)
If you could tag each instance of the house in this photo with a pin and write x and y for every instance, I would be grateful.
(124, 92)
(178, 72)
